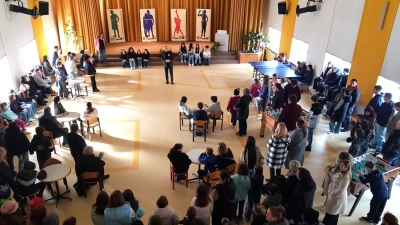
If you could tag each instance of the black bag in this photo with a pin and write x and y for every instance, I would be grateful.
(80, 188)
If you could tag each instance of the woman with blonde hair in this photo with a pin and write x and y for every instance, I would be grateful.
(290, 182)
(274, 216)
(277, 153)
(336, 203)
(224, 157)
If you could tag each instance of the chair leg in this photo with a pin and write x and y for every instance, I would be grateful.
(93, 130)
(100, 131)
(222, 121)
(59, 142)
(213, 125)
(205, 134)
(87, 94)
(187, 179)
(193, 131)
(88, 131)
(180, 123)
(173, 180)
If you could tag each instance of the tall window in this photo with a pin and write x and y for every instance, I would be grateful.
(274, 37)
(51, 39)
(338, 62)
(391, 87)
(30, 55)
(6, 83)
(298, 51)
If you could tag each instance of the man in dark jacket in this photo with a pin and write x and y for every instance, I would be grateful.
(301, 69)
(167, 57)
(242, 106)
(355, 96)
(308, 76)
(88, 69)
(323, 75)
(42, 146)
(88, 162)
(291, 89)
(339, 113)
(386, 111)
(358, 146)
(50, 123)
(302, 196)
(76, 142)
(330, 80)
(377, 100)
(291, 113)
(391, 148)
(335, 89)
(55, 57)
(26, 179)
(82, 52)
(16, 144)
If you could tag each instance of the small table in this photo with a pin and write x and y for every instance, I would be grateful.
(78, 82)
(55, 173)
(69, 118)
(194, 156)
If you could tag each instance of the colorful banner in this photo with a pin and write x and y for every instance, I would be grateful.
(203, 25)
(115, 25)
(178, 24)
(148, 22)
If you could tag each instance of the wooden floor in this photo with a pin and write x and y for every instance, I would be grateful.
(152, 47)
(139, 119)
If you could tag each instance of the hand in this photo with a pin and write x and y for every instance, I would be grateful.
(33, 100)
(11, 195)
(326, 169)
(205, 105)
(66, 113)
(320, 78)
(323, 83)
(37, 96)
(359, 173)
(25, 110)
(23, 105)
(167, 60)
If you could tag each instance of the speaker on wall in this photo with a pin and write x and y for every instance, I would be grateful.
(43, 8)
(282, 8)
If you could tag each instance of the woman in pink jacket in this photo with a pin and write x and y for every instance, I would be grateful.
(255, 90)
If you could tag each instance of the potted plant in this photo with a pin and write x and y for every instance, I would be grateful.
(252, 40)
(215, 48)
(73, 40)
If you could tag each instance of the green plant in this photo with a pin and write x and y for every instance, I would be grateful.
(252, 40)
(215, 47)
(74, 41)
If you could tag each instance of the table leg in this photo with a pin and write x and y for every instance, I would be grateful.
(58, 196)
(197, 173)
(79, 91)
(262, 128)
(358, 198)
(390, 185)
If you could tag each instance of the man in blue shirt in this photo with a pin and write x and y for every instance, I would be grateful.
(379, 191)
(209, 160)
(377, 100)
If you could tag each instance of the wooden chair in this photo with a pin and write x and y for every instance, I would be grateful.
(69, 88)
(92, 123)
(92, 178)
(199, 125)
(212, 178)
(219, 115)
(181, 118)
(88, 82)
(50, 136)
(232, 168)
(173, 174)
(50, 162)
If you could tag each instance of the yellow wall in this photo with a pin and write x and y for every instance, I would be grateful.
(371, 45)
(288, 23)
(38, 32)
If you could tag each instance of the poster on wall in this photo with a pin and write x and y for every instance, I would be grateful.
(203, 25)
(115, 25)
(178, 25)
(148, 22)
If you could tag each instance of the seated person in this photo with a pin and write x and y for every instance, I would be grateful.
(17, 108)
(391, 148)
(10, 116)
(42, 146)
(200, 114)
(207, 56)
(208, 159)
(330, 80)
(50, 123)
(225, 156)
(58, 108)
(34, 89)
(76, 142)
(332, 91)
(323, 75)
(3, 127)
(179, 160)
(24, 95)
(308, 76)
(30, 106)
(124, 59)
(214, 107)
(301, 68)
(184, 109)
(89, 69)
(88, 162)
(42, 83)
(26, 179)
(90, 111)
(281, 57)
(358, 147)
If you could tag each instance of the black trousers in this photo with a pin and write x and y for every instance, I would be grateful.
(171, 72)
(315, 83)
(377, 206)
(94, 84)
(347, 120)
(239, 210)
(62, 89)
(272, 172)
(330, 219)
(242, 127)
(233, 119)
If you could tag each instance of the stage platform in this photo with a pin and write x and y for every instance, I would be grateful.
(152, 47)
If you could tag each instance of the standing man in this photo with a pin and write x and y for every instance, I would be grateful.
(377, 100)
(167, 58)
(392, 122)
(242, 106)
(386, 111)
(100, 47)
(55, 56)
(291, 113)
(355, 96)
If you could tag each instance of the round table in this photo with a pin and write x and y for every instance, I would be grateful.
(69, 118)
(55, 173)
(194, 156)
(78, 81)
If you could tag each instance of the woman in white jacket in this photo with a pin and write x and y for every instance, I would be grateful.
(336, 202)
(70, 67)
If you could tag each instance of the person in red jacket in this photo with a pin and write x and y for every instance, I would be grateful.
(291, 113)
(292, 89)
(231, 106)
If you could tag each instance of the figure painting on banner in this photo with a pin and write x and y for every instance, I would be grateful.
(203, 30)
(149, 32)
(178, 24)
(115, 25)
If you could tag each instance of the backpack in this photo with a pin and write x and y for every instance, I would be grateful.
(278, 180)
(80, 188)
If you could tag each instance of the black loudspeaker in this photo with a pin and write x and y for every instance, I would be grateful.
(43, 8)
(282, 8)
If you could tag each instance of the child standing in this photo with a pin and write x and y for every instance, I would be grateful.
(313, 119)
(255, 91)
(339, 113)
(254, 194)
(379, 192)
(358, 146)
(243, 185)
(231, 106)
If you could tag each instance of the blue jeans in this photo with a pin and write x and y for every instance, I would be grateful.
(24, 116)
(191, 59)
(391, 159)
(139, 62)
(310, 136)
(132, 63)
(197, 59)
(31, 107)
(102, 55)
(333, 128)
(331, 107)
(146, 63)
(207, 61)
(182, 57)
(249, 207)
(23, 158)
(379, 137)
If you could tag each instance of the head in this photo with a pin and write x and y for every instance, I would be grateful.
(283, 80)
(236, 91)
(369, 166)
(55, 48)
(138, 51)
(74, 128)
(86, 57)
(377, 89)
(184, 99)
(343, 156)
(183, 44)
(162, 202)
(102, 35)
(11, 97)
(116, 199)
(303, 174)
(314, 98)
(198, 46)
(243, 169)
(259, 210)
(292, 98)
(70, 221)
(177, 148)
(82, 52)
(87, 150)
(278, 86)
(294, 82)
(45, 58)
(191, 213)
(274, 76)
(274, 213)
(89, 106)
(38, 214)
(200, 105)
(224, 175)
(310, 216)
(364, 124)
(265, 80)
(389, 219)
(130, 197)
(166, 48)
(214, 99)
(397, 106)
(72, 56)
(353, 83)
(258, 170)
(246, 92)
(369, 111)
(101, 203)
(300, 123)
(190, 46)
(334, 69)
(347, 92)
(39, 130)
(131, 50)
(3, 105)
(256, 81)
(222, 148)
(47, 110)
(294, 166)
(123, 51)
(209, 151)
(360, 133)
(202, 197)
(207, 47)
(145, 50)
(345, 166)
(250, 143)
(13, 126)
(56, 99)
(387, 97)
(51, 219)
(309, 67)
(281, 130)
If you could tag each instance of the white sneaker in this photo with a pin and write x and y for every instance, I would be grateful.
(259, 118)
(131, 68)
(32, 119)
(259, 114)
(134, 68)
(181, 61)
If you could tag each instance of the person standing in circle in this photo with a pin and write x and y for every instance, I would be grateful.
(167, 57)
(100, 47)
(242, 107)
(204, 21)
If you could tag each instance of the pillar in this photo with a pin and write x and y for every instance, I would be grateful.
(288, 23)
(38, 32)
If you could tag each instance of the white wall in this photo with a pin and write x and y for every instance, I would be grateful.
(15, 34)
(392, 58)
(274, 19)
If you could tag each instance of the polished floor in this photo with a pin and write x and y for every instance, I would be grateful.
(139, 120)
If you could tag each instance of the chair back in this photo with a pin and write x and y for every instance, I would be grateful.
(199, 123)
(87, 79)
(232, 168)
(90, 175)
(218, 114)
(92, 120)
(214, 175)
(50, 162)
(48, 134)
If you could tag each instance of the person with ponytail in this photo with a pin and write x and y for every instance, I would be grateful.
(90, 111)
(223, 195)
(274, 216)
(298, 143)
(179, 159)
(190, 218)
